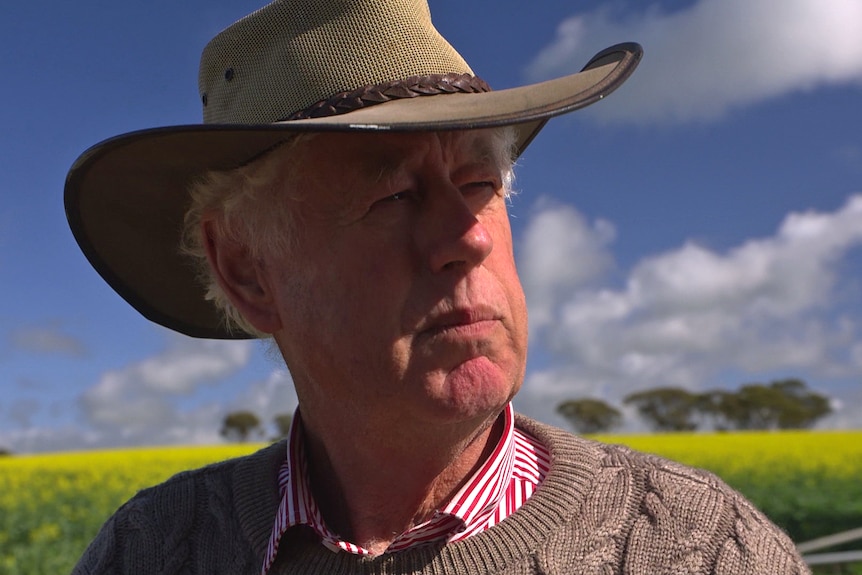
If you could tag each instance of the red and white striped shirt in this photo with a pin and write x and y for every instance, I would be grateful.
(511, 474)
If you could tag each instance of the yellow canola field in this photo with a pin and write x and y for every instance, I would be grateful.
(809, 483)
(758, 456)
(52, 505)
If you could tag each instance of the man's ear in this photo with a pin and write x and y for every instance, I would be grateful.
(242, 278)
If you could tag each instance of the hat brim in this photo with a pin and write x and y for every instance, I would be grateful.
(125, 197)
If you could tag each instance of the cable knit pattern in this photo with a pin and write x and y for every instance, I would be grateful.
(602, 510)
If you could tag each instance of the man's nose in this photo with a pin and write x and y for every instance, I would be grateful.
(455, 236)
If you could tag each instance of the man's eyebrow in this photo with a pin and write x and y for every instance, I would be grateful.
(377, 165)
(384, 167)
(478, 150)
(483, 149)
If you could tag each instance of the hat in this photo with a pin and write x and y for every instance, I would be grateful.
(292, 66)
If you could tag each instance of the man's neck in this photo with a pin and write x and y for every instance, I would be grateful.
(370, 493)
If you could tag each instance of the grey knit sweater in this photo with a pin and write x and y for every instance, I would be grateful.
(601, 510)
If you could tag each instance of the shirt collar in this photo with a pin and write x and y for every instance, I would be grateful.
(470, 506)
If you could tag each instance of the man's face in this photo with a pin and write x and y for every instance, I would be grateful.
(401, 298)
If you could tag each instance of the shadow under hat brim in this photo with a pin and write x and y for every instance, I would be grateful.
(126, 197)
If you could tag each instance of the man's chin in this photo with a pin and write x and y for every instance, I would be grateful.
(473, 390)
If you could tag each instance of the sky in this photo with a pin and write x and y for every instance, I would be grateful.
(700, 228)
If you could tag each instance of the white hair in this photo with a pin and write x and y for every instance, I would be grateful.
(247, 206)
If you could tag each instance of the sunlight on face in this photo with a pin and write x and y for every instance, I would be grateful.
(402, 299)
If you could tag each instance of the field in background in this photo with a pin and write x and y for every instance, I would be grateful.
(51, 506)
(809, 482)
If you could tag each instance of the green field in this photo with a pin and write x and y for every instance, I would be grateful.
(51, 506)
(810, 483)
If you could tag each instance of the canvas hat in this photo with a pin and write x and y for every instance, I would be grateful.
(292, 66)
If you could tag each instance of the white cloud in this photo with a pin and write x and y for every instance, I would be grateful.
(183, 366)
(714, 55)
(563, 252)
(136, 404)
(36, 439)
(140, 404)
(684, 317)
(273, 396)
(46, 339)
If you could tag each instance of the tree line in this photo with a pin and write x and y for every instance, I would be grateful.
(781, 404)
(244, 425)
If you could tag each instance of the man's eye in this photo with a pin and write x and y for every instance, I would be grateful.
(400, 196)
(482, 186)
(397, 198)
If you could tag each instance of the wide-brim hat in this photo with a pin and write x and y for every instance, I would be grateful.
(292, 66)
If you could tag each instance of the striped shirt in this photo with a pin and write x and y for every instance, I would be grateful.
(510, 475)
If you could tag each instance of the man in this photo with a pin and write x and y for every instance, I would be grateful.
(347, 196)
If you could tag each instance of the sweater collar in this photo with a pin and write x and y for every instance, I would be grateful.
(574, 462)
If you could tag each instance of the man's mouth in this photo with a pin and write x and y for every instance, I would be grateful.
(464, 322)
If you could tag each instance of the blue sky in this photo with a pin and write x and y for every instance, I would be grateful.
(702, 227)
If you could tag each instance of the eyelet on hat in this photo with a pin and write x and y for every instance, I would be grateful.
(228, 74)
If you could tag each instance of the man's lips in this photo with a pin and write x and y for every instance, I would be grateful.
(462, 322)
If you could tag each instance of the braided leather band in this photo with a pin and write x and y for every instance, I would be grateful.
(429, 85)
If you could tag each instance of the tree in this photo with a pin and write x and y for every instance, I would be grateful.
(783, 404)
(802, 408)
(758, 406)
(282, 423)
(589, 415)
(665, 408)
(716, 407)
(238, 425)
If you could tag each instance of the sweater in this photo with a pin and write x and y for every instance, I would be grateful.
(602, 509)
